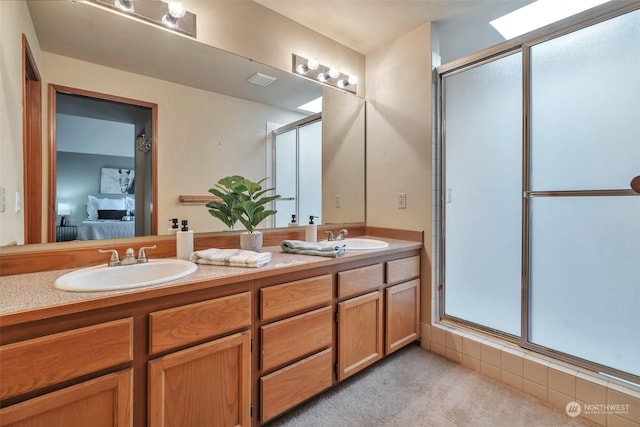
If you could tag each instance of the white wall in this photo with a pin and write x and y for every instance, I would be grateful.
(399, 140)
(14, 21)
(202, 136)
(94, 136)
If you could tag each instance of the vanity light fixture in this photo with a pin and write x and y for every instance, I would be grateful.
(311, 65)
(352, 80)
(125, 5)
(175, 11)
(332, 76)
(324, 77)
(170, 15)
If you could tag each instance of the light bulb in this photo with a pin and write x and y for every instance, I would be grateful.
(126, 5)
(176, 9)
(313, 64)
(343, 83)
(353, 80)
(302, 68)
(323, 77)
(334, 72)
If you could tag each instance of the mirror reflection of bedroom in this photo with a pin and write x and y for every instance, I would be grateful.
(103, 178)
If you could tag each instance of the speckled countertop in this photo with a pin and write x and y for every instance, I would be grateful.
(34, 292)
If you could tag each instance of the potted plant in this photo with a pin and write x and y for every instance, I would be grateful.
(242, 200)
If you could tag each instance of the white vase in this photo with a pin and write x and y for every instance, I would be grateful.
(251, 241)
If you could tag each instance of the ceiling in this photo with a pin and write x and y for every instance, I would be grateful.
(364, 25)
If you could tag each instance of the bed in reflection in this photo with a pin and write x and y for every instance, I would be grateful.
(106, 229)
(108, 218)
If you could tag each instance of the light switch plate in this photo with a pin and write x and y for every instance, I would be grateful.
(3, 199)
(18, 201)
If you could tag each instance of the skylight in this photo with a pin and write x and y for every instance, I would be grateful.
(538, 14)
(314, 106)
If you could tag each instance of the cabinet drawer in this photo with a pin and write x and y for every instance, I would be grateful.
(40, 362)
(290, 339)
(359, 280)
(194, 322)
(403, 269)
(291, 297)
(287, 387)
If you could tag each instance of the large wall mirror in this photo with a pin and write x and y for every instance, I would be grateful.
(211, 120)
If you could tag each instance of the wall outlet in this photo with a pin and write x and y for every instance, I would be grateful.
(338, 201)
(402, 200)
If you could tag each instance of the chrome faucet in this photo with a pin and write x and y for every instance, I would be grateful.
(129, 256)
(341, 234)
(142, 254)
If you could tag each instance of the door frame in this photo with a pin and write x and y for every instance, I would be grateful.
(31, 145)
(51, 205)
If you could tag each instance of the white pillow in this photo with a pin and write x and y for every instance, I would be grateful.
(94, 204)
(130, 203)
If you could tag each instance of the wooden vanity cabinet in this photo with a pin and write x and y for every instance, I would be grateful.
(35, 364)
(360, 319)
(402, 303)
(383, 317)
(296, 358)
(207, 384)
(183, 357)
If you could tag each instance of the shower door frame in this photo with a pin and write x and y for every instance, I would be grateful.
(523, 44)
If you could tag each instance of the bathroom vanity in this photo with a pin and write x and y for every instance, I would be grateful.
(223, 346)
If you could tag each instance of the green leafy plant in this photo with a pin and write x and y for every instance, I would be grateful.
(241, 200)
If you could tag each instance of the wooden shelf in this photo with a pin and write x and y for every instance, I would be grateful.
(198, 200)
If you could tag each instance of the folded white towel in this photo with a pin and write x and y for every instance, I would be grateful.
(329, 249)
(231, 257)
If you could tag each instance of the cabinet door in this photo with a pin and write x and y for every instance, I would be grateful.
(206, 385)
(359, 333)
(402, 315)
(101, 402)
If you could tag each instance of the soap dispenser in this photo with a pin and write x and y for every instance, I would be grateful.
(174, 226)
(184, 242)
(311, 230)
(293, 222)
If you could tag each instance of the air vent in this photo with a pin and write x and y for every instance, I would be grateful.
(261, 79)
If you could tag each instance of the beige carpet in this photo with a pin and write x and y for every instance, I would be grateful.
(414, 387)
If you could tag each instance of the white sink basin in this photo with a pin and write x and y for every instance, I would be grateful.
(356, 244)
(104, 278)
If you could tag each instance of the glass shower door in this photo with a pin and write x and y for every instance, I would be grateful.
(584, 220)
(298, 171)
(483, 188)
